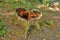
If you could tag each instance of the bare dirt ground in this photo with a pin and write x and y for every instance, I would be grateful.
(15, 32)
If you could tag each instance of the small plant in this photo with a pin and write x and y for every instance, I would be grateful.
(3, 29)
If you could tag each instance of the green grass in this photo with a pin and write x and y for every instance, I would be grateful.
(10, 5)
(3, 29)
(13, 4)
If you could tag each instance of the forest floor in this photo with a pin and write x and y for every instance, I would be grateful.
(15, 32)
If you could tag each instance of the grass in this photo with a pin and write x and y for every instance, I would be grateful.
(12, 5)
(41, 23)
(3, 29)
(9, 5)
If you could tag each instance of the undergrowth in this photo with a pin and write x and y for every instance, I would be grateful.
(3, 28)
(9, 5)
